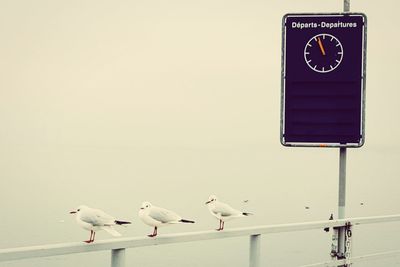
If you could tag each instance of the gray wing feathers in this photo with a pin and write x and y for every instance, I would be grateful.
(97, 218)
(163, 215)
(225, 210)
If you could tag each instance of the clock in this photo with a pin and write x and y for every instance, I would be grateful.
(323, 53)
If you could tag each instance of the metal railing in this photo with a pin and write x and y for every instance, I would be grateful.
(118, 246)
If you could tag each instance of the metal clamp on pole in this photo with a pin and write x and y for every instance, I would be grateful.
(348, 237)
(341, 243)
(334, 246)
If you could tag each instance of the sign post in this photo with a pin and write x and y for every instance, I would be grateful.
(342, 158)
(342, 180)
(323, 86)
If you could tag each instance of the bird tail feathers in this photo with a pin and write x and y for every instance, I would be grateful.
(121, 222)
(186, 221)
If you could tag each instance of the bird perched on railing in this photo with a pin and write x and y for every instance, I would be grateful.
(94, 220)
(223, 211)
(156, 217)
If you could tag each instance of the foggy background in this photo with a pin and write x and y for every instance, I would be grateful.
(112, 103)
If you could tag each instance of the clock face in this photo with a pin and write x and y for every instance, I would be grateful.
(323, 53)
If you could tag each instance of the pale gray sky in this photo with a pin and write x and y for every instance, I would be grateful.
(133, 100)
(201, 73)
(184, 73)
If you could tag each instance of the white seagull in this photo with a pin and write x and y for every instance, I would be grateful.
(93, 220)
(223, 211)
(156, 216)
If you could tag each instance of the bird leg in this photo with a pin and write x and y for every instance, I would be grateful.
(90, 239)
(94, 234)
(154, 232)
(221, 225)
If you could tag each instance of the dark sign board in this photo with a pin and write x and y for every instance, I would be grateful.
(323, 79)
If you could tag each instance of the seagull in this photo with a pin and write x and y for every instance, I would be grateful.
(156, 216)
(93, 220)
(223, 211)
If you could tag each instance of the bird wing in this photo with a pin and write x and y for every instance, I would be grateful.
(163, 215)
(97, 217)
(224, 209)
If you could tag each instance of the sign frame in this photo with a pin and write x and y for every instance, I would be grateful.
(361, 112)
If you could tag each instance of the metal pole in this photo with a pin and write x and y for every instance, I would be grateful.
(342, 199)
(342, 181)
(346, 6)
(255, 245)
(118, 257)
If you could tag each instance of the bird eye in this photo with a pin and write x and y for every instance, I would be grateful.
(147, 206)
(78, 209)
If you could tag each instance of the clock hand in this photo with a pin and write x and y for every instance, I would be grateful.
(321, 46)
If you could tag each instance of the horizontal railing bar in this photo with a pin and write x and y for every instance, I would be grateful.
(131, 242)
(333, 263)
(375, 219)
(373, 256)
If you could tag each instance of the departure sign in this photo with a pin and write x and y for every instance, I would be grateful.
(323, 79)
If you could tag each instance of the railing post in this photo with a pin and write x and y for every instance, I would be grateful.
(118, 257)
(255, 245)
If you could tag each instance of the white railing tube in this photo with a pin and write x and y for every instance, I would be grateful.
(255, 250)
(118, 246)
(118, 257)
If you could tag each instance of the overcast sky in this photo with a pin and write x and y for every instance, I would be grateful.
(165, 72)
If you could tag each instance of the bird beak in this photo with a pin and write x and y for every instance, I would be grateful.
(72, 212)
(142, 208)
(208, 202)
